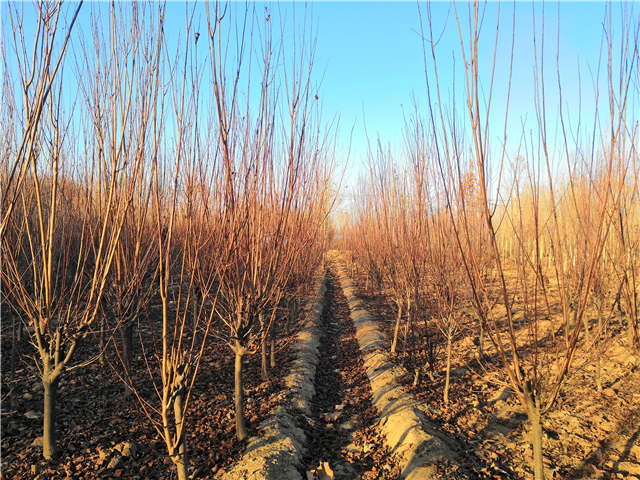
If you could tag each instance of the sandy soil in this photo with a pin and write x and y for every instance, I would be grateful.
(589, 434)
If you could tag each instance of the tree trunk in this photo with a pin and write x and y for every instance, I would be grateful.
(101, 342)
(20, 332)
(180, 457)
(241, 429)
(181, 468)
(272, 359)
(407, 324)
(448, 371)
(598, 373)
(264, 366)
(600, 351)
(263, 359)
(126, 334)
(14, 359)
(396, 330)
(14, 345)
(535, 426)
(126, 337)
(633, 319)
(49, 422)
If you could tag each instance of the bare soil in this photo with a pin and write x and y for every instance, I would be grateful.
(342, 430)
(94, 415)
(589, 434)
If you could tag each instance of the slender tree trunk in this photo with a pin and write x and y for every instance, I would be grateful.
(567, 321)
(407, 324)
(396, 330)
(20, 332)
(241, 429)
(263, 358)
(126, 340)
(535, 426)
(599, 350)
(14, 344)
(599, 372)
(14, 357)
(127, 344)
(272, 359)
(180, 457)
(49, 422)
(448, 370)
(633, 318)
(264, 366)
(101, 342)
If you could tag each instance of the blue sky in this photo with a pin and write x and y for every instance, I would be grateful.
(369, 57)
(374, 62)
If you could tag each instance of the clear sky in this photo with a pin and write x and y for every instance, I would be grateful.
(374, 61)
(370, 60)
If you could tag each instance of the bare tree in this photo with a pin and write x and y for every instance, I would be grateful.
(38, 65)
(535, 364)
(58, 248)
(265, 198)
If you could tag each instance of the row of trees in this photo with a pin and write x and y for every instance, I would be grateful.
(541, 245)
(189, 173)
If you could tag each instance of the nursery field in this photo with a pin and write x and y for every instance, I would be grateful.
(592, 433)
(206, 273)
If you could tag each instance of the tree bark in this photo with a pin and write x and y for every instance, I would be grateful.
(126, 337)
(396, 330)
(20, 332)
(241, 429)
(49, 422)
(407, 324)
(126, 334)
(448, 371)
(263, 359)
(535, 426)
(180, 457)
(633, 317)
(598, 373)
(14, 345)
(14, 358)
(264, 366)
(101, 342)
(272, 359)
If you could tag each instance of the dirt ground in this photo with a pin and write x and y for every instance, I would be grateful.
(589, 434)
(342, 431)
(94, 416)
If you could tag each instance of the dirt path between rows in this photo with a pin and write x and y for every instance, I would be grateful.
(342, 433)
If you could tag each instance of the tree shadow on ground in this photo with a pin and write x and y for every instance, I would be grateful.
(601, 452)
